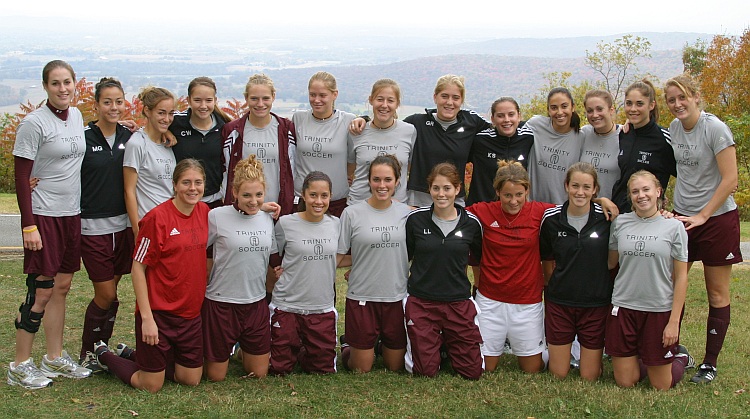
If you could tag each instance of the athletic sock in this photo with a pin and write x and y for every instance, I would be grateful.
(109, 325)
(121, 367)
(346, 353)
(716, 330)
(93, 325)
(643, 370)
(678, 369)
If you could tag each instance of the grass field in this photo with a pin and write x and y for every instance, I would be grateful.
(505, 393)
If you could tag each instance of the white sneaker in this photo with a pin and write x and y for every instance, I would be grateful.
(63, 365)
(27, 375)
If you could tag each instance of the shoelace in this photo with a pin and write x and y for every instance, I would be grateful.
(31, 369)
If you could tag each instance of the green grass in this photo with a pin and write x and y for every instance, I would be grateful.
(506, 393)
(744, 231)
(8, 203)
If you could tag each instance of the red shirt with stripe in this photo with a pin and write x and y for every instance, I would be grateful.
(511, 265)
(172, 245)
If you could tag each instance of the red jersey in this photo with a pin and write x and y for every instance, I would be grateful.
(173, 247)
(511, 265)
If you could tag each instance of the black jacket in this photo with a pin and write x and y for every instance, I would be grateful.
(646, 148)
(438, 262)
(581, 277)
(102, 185)
(207, 149)
(489, 147)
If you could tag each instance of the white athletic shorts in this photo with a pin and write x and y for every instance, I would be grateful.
(521, 324)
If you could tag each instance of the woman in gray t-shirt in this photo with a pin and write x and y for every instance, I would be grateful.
(706, 178)
(643, 326)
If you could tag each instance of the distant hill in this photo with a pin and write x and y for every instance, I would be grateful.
(487, 76)
(492, 68)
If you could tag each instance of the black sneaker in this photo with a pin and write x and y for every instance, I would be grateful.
(682, 351)
(91, 362)
(124, 351)
(705, 374)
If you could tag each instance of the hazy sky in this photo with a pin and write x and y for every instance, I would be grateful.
(493, 18)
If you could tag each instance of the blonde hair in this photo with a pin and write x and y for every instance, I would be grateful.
(511, 171)
(685, 83)
(648, 175)
(259, 79)
(326, 78)
(448, 79)
(385, 83)
(248, 170)
(150, 96)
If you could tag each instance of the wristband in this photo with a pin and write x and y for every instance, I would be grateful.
(30, 230)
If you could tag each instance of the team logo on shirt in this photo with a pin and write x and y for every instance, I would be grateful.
(254, 241)
(595, 161)
(318, 249)
(317, 147)
(385, 240)
(640, 245)
(554, 159)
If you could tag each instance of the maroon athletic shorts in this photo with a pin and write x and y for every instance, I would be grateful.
(107, 255)
(309, 339)
(61, 246)
(426, 319)
(639, 333)
(717, 242)
(364, 322)
(224, 324)
(562, 324)
(181, 337)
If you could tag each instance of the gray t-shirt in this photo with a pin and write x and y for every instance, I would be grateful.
(264, 143)
(446, 226)
(309, 252)
(373, 142)
(322, 145)
(377, 239)
(601, 151)
(549, 160)
(647, 250)
(578, 222)
(57, 148)
(107, 225)
(242, 246)
(697, 170)
(155, 164)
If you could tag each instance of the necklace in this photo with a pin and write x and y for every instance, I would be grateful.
(322, 119)
(506, 218)
(376, 125)
(646, 218)
(608, 131)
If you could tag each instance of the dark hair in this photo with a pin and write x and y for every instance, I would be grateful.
(206, 81)
(445, 169)
(386, 160)
(105, 83)
(311, 177)
(646, 88)
(501, 100)
(53, 65)
(575, 120)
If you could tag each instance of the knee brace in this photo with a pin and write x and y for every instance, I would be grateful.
(31, 320)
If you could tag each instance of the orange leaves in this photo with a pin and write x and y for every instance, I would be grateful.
(726, 75)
